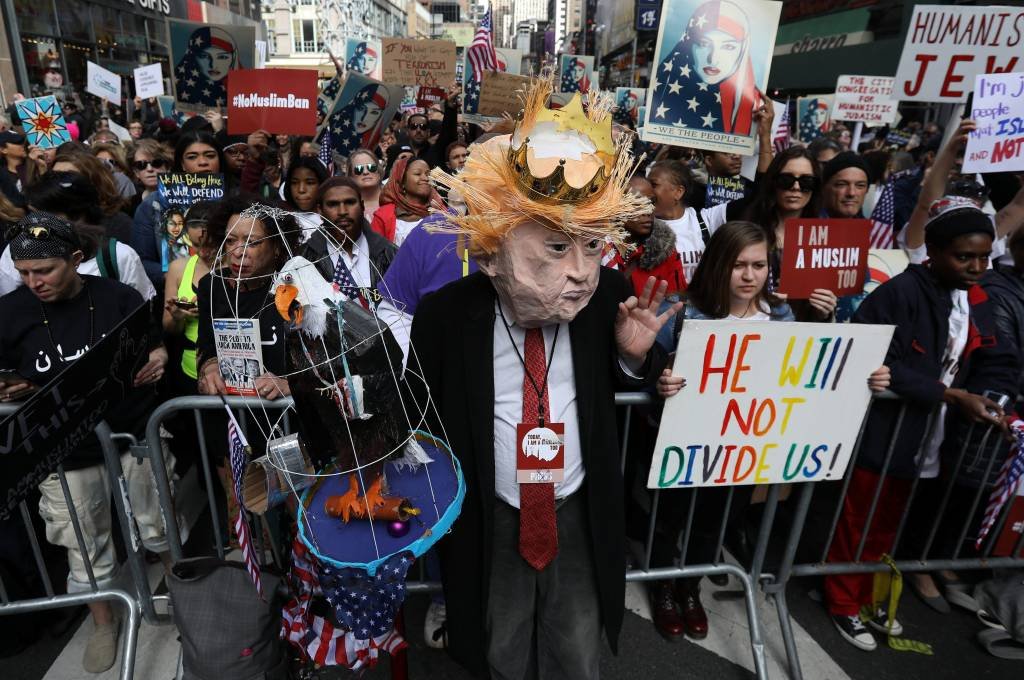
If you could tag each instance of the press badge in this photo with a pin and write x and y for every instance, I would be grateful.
(540, 453)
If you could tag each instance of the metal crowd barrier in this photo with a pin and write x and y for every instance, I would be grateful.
(135, 604)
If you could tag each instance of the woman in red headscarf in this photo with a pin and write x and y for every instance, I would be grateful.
(407, 198)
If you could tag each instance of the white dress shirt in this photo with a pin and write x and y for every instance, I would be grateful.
(358, 262)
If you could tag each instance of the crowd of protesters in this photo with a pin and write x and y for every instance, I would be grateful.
(86, 238)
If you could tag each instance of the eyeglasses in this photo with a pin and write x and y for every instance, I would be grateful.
(418, 126)
(806, 183)
(156, 164)
(364, 169)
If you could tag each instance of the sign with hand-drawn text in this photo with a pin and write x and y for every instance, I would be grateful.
(997, 145)
(824, 253)
(426, 63)
(866, 99)
(947, 46)
(765, 402)
(502, 93)
(149, 80)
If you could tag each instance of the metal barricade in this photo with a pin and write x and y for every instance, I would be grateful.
(775, 584)
(645, 573)
(52, 600)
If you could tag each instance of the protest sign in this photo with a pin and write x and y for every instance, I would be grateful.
(425, 63)
(121, 131)
(629, 99)
(883, 264)
(724, 189)
(866, 99)
(813, 117)
(239, 354)
(59, 417)
(946, 47)
(701, 96)
(103, 83)
(149, 81)
(501, 94)
(203, 55)
(43, 122)
(362, 112)
(281, 101)
(824, 253)
(577, 73)
(998, 109)
(363, 56)
(765, 403)
(509, 60)
(429, 96)
(185, 188)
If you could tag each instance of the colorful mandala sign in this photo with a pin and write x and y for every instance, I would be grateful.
(43, 122)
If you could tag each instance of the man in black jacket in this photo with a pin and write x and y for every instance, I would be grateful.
(363, 254)
(945, 351)
(1005, 287)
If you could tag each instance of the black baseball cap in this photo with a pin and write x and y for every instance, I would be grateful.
(11, 137)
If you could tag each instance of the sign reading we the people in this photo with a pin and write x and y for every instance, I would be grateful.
(866, 99)
(765, 402)
(820, 253)
(425, 63)
(946, 47)
(711, 63)
(279, 100)
(997, 145)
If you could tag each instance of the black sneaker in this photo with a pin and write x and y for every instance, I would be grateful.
(881, 624)
(855, 632)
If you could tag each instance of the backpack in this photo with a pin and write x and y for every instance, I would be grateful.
(106, 259)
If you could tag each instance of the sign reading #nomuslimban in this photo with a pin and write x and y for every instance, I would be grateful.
(765, 402)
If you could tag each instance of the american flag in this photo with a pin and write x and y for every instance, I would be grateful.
(1006, 483)
(480, 53)
(237, 446)
(781, 139)
(883, 216)
(325, 155)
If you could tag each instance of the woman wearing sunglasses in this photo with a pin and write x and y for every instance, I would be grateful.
(364, 167)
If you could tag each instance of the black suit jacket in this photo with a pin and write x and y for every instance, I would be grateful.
(382, 252)
(452, 333)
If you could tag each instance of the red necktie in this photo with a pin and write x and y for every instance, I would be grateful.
(538, 535)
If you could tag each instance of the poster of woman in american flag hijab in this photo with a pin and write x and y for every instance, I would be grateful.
(203, 55)
(363, 56)
(713, 62)
(577, 73)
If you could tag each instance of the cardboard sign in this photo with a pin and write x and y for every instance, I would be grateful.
(703, 96)
(946, 47)
(500, 93)
(55, 421)
(429, 63)
(824, 253)
(149, 81)
(813, 117)
(865, 99)
(998, 109)
(278, 100)
(202, 56)
(103, 83)
(43, 122)
(185, 188)
(765, 402)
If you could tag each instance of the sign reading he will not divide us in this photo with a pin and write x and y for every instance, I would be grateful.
(765, 402)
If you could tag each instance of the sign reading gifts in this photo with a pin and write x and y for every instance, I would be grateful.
(824, 253)
(946, 47)
(426, 63)
(282, 101)
(865, 99)
(765, 403)
(997, 145)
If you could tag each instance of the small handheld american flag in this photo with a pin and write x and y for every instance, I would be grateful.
(884, 216)
(781, 140)
(1006, 483)
(238, 447)
(325, 155)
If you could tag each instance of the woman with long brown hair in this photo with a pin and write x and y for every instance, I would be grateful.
(73, 159)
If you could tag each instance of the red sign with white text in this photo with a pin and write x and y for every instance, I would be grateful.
(278, 100)
(824, 253)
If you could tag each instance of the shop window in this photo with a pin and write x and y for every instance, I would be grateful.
(35, 16)
(44, 65)
(304, 36)
(74, 19)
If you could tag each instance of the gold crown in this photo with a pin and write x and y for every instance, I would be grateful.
(570, 181)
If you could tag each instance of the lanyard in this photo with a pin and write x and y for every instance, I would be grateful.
(539, 390)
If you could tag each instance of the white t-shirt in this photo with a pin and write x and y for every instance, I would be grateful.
(956, 341)
(689, 241)
(402, 229)
(129, 266)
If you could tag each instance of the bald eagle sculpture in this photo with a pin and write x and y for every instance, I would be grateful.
(345, 374)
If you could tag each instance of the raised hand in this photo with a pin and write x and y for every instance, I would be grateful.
(638, 322)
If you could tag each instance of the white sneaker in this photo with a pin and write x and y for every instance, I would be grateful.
(101, 650)
(855, 632)
(881, 624)
(434, 634)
